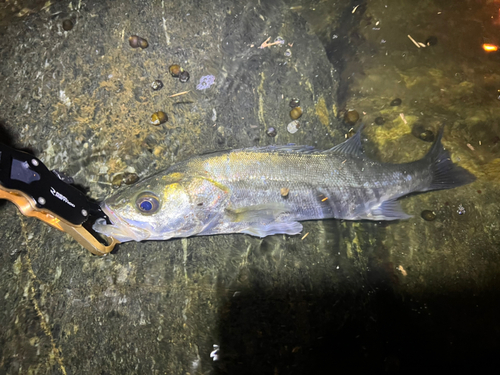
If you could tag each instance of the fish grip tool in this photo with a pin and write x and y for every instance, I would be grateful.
(40, 193)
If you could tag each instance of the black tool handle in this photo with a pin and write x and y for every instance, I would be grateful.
(22, 171)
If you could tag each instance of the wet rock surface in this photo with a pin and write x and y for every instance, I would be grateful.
(349, 295)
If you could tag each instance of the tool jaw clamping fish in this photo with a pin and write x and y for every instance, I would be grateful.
(40, 193)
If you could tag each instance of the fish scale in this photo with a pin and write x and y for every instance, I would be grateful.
(310, 178)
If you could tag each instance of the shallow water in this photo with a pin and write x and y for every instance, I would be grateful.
(408, 296)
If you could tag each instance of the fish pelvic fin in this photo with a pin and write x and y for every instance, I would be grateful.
(445, 174)
(260, 220)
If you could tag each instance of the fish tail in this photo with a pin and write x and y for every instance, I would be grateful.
(445, 174)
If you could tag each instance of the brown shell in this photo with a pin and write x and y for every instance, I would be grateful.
(295, 113)
(175, 70)
(136, 42)
(143, 43)
(428, 215)
(158, 118)
(351, 117)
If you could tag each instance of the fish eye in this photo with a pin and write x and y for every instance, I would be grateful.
(147, 203)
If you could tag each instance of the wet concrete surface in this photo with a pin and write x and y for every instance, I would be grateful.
(410, 296)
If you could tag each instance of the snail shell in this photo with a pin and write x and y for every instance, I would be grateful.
(295, 113)
(183, 76)
(175, 70)
(158, 118)
(136, 42)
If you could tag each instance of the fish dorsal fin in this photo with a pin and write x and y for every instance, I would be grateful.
(352, 146)
(291, 147)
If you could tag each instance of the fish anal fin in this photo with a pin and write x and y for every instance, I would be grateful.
(263, 230)
(388, 210)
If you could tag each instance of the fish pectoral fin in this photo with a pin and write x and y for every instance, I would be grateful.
(263, 230)
(388, 210)
(259, 213)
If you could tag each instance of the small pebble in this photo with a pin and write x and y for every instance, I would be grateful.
(183, 76)
(380, 120)
(431, 41)
(428, 215)
(427, 136)
(293, 127)
(294, 102)
(67, 25)
(422, 133)
(396, 102)
(284, 192)
(157, 85)
(351, 117)
(271, 132)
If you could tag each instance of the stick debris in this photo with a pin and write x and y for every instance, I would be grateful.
(266, 44)
(179, 94)
(414, 41)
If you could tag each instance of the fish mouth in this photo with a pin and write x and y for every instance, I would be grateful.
(119, 229)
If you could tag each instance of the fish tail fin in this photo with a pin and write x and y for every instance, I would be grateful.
(445, 174)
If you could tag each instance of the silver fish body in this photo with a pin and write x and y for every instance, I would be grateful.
(241, 191)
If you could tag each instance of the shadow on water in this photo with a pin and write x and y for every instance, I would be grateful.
(284, 332)
(8, 137)
(341, 46)
(353, 314)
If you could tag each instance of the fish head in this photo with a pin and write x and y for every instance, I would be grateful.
(160, 208)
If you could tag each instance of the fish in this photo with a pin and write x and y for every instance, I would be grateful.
(263, 191)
